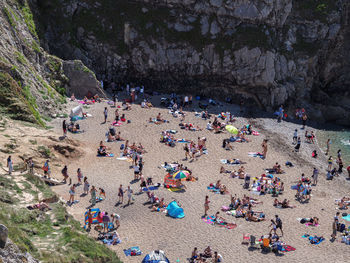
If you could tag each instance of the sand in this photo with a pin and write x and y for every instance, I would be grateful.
(177, 237)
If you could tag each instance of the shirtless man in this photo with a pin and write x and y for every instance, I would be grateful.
(264, 148)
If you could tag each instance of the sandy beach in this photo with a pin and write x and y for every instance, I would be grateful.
(177, 237)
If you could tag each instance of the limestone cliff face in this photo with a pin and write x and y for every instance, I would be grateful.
(294, 52)
(33, 83)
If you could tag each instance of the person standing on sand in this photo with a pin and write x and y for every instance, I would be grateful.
(297, 147)
(328, 146)
(80, 176)
(206, 205)
(64, 127)
(330, 163)
(187, 151)
(348, 169)
(273, 227)
(334, 228)
(280, 113)
(71, 194)
(86, 186)
(121, 194)
(105, 112)
(264, 148)
(10, 164)
(315, 176)
(46, 168)
(65, 174)
(129, 193)
(340, 163)
(279, 223)
(89, 215)
(295, 136)
(93, 196)
(304, 119)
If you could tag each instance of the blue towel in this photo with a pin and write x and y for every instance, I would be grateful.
(347, 218)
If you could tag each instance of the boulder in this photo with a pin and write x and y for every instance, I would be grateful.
(81, 80)
(3, 235)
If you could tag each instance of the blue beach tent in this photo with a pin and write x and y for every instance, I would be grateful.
(156, 256)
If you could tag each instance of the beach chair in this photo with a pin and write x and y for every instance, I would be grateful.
(246, 239)
(253, 242)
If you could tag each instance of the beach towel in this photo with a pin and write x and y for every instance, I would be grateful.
(110, 241)
(76, 118)
(287, 248)
(255, 154)
(210, 220)
(174, 189)
(133, 251)
(117, 123)
(183, 141)
(255, 133)
(347, 218)
(310, 224)
(151, 187)
(225, 161)
(313, 240)
(108, 155)
(213, 189)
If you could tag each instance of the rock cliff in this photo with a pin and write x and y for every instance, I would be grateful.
(294, 52)
(33, 83)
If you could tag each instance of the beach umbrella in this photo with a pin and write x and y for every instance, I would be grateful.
(181, 174)
(231, 129)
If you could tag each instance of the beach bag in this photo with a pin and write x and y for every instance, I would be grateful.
(122, 147)
(342, 228)
(303, 221)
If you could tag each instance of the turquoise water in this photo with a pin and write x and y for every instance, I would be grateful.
(339, 140)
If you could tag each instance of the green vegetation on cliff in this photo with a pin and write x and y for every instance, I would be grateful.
(51, 236)
(17, 102)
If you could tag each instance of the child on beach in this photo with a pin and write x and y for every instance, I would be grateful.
(295, 136)
(297, 147)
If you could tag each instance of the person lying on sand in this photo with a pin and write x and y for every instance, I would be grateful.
(241, 172)
(223, 190)
(283, 204)
(223, 170)
(118, 137)
(126, 106)
(159, 207)
(277, 168)
(344, 203)
(178, 184)
(250, 215)
(218, 219)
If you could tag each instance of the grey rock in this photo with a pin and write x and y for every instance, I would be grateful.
(216, 3)
(214, 28)
(81, 80)
(3, 235)
(204, 25)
